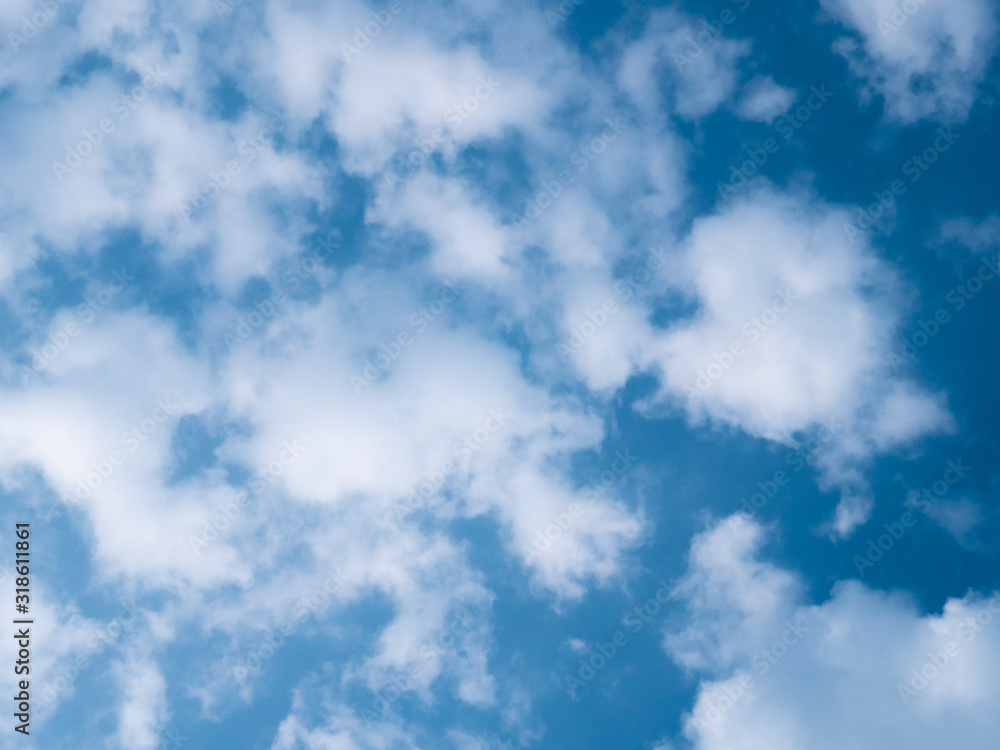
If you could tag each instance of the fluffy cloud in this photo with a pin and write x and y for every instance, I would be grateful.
(977, 236)
(693, 57)
(72, 640)
(230, 200)
(143, 711)
(762, 100)
(792, 328)
(863, 669)
(341, 730)
(447, 402)
(456, 359)
(925, 58)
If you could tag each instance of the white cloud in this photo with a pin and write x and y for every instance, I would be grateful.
(977, 236)
(342, 730)
(793, 327)
(467, 239)
(958, 517)
(400, 94)
(366, 452)
(844, 673)
(694, 58)
(734, 600)
(412, 419)
(69, 640)
(143, 711)
(762, 100)
(925, 58)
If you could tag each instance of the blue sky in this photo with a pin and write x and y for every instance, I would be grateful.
(480, 375)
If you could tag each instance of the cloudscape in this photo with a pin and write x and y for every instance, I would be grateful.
(466, 375)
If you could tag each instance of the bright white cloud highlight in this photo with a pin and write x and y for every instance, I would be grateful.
(864, 669)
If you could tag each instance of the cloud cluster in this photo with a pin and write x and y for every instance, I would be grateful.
(862, 669)
(791, 326)
(926, 59)
(512, 220)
